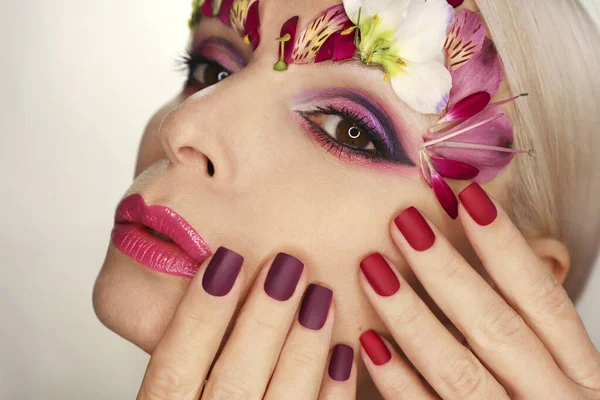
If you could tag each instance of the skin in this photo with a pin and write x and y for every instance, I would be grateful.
(276, 189)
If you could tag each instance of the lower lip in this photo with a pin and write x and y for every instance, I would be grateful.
(135, 241)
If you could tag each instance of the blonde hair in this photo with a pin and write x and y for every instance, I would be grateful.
(551, 49)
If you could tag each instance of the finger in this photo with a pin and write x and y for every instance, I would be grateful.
(449, 367)
(248, 359)
(529, 286)
(495, 332)
(181, 359)
(391, 374)
(339, 382)
(299, 372)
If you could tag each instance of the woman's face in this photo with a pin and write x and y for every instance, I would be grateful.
(314, 161)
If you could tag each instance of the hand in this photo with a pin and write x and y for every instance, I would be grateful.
(526, 342)
(263, 354)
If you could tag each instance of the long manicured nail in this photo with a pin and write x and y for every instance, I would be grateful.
(415, 229)
(340, 365)
(478, 204)
(375, 348)
(315, 307)
(222, 271)
(380, 275)
(283, 277)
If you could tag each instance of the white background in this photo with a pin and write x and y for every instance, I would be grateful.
(78, 81)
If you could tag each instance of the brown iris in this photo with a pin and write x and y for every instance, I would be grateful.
(348, 133)
(214, 73)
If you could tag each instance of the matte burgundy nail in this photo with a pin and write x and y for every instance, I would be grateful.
(315, 307)
(221, 272)
(375, 348)
(340, 364)
(415, 229)
(478, 204)
(380, 275)
(283, 277)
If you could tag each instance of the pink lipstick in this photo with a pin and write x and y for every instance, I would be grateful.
(157, 237)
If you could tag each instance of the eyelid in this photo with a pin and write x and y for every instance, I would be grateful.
(222, 52)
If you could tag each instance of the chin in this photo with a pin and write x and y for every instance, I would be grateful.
(136, 302)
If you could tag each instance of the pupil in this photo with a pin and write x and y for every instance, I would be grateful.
(214, 73)
(351, 135)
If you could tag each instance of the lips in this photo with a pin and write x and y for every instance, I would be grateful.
(157, 237)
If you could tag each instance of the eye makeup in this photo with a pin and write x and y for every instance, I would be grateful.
(220, 51)
(359, 113)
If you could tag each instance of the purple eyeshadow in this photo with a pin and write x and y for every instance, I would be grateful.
(220, 51)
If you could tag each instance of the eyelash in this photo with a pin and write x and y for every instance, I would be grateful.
(340, 149)
(188, 63)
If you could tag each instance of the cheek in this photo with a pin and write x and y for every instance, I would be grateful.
(151, 150)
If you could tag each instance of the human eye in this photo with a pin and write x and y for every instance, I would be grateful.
(351, 127)
(212, 61)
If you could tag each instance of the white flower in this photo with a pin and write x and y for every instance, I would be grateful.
(407, 37)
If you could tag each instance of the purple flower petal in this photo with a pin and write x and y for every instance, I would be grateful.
(344, 44)
(465, 38)
(487, 147)
(467, 107)
(252, 25)
(445, 195)
(425, 170)
(290, 26)
(452, 169)
(483, 73)
(326, 51)
(225, 10)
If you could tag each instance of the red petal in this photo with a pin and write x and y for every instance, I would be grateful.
(252, 24)
(445, 195)
(455, 3)
(483, 73)
(290, 26)
(498, 132)
(225, 10)
(468, 107)
(207, 8)
(326, 51)
(344, 44)
(452, 169)
(425, 171)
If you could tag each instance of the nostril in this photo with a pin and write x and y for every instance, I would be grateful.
(210, 168)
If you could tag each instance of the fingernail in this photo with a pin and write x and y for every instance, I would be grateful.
(340, 365)
(415, 229)
(283, 277)
(315, 307)
(222, 271)
(375, 348)
(478, 204)
(380, 275)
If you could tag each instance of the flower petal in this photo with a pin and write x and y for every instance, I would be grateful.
(224, 11)
(423, 87)
(207, 8)
(465, 38)
(482, 73)
(467, 107)
(344, 47)
(470, 147)
(425, 168)
(421, 33)
(452, 169)
(239, 14)
(290, 27)
(369, 8)
(326, 51)
(445, 195)
(309, 42)
(252, 25)
(456, 3)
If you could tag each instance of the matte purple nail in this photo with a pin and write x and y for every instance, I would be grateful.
(283, 277)
(222, 271)
(340, 365)
(315, 307)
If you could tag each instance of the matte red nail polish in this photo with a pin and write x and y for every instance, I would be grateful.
(375, 348)
(415, 229)
(380, 275)
(478, 204)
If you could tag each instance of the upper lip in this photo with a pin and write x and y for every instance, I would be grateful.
(133, 209)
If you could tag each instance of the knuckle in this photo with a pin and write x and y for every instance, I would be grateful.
(264, 321)
(407, 317)
(505, 238)
(498, 324)
(463, 376)
(228, 386)
(305, 357)
(548, 296)
(162, 384)
(451, 267)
